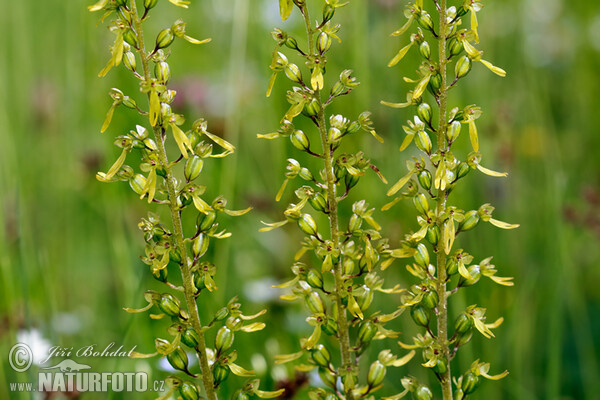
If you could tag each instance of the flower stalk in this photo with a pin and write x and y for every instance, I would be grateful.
(437, 173)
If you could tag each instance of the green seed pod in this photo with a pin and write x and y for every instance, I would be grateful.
(462, 67)
(348, 266)
(148, 4)
(205, 221)
(190, 337)
(425, 179)
(475, 273)
(162, 71)
(169, 305)
(423, 142)
(471, 221)
(464, 339)
(193, 167)
(351, 180)
(224, 339)
(454, 46)
(305, 174)
(315, 303)
(164, 39)
(129, 103)
(423, 393)
(453, 131)
(291, 43)
(318, 202)
(308, 225)
(425, 50)
(424, 19)
(239, 395)
(365, 298)
(320, 355)
(189, 391)
(422, 255)
(440, 366)
(459, 394)
(354, 224)
(431, 299)
(160, 275)
(311, 109)
(178, 359)
(421, 203)
(470, 383)
(200, 245)
(424, 112)
(121, 3)
(328, 377)
(420, 315)
(300, 140)
(435, 82)
(451, 267)
(220, 373)
(234, 323)
(137, 183)
(337, 89)
(199, 281)
(328, 12)
(462, 170)
(330, 328)
(323, 42)
(131, 38)
(463, 324)
(314, 278)
(222, 314)
(367, 332)
(334, 135)
(129, 60)
(376, 374)
(293, 72)
(433, 234)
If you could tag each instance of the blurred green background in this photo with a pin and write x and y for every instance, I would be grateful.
(69, 245)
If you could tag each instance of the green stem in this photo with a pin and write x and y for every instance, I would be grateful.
(186, 275)
(348, 360)
(442, 317)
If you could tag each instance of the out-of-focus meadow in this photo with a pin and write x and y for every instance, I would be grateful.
(69, 245)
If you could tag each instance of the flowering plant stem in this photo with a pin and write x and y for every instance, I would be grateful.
(188, 285)
(332, 201)
(442, 320)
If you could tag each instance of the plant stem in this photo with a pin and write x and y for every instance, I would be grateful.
(186, 275)
(442, 317)
(348, 360)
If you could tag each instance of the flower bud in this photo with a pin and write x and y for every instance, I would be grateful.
(470, 383)
(323, 42)
(291, 43)
(190, 337)
(354, 224)
(431, 299)
(131, 38)
(425, 50)
(328, 12)
(300, 140)
(178, 359)
(137, 183)
(421, 203)
(440, 366)
(307, 225)
(351, 180)
(328, 377)
(451, 267)
(454, 46)
(164, 39)
(200, 245)
(320, 355)
(424, 112)
(189, 391)
(160, 275)
(420, 315)
(224, 339)
(234, 323)
(162, 71)
(462, 170)
(220, 373)
(348, 266)
(423, 393)
(453, 131)
(305, 174)
(311, 109)
(337, 89)
(470, 221)
(315, 303)
(318, 202)
(464, 339)
(169, 305)
(435, 82)
(205, 221)
(433, 234)
(463, 324)
(425, 178)
(314, 278)
(365, 298)
(424, 19)
(148, 4)
(462, 67)
(293, 72)
(129, 60)
(422, 255)
(193, 167)
(376, 374)
(423, 142)
(222, 314)
(366, 332)
(330, 328)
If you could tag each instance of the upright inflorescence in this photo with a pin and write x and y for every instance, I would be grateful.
(173, 186)
(430, 180)
(335, 269)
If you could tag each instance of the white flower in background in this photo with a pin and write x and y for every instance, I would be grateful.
(39, 345)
